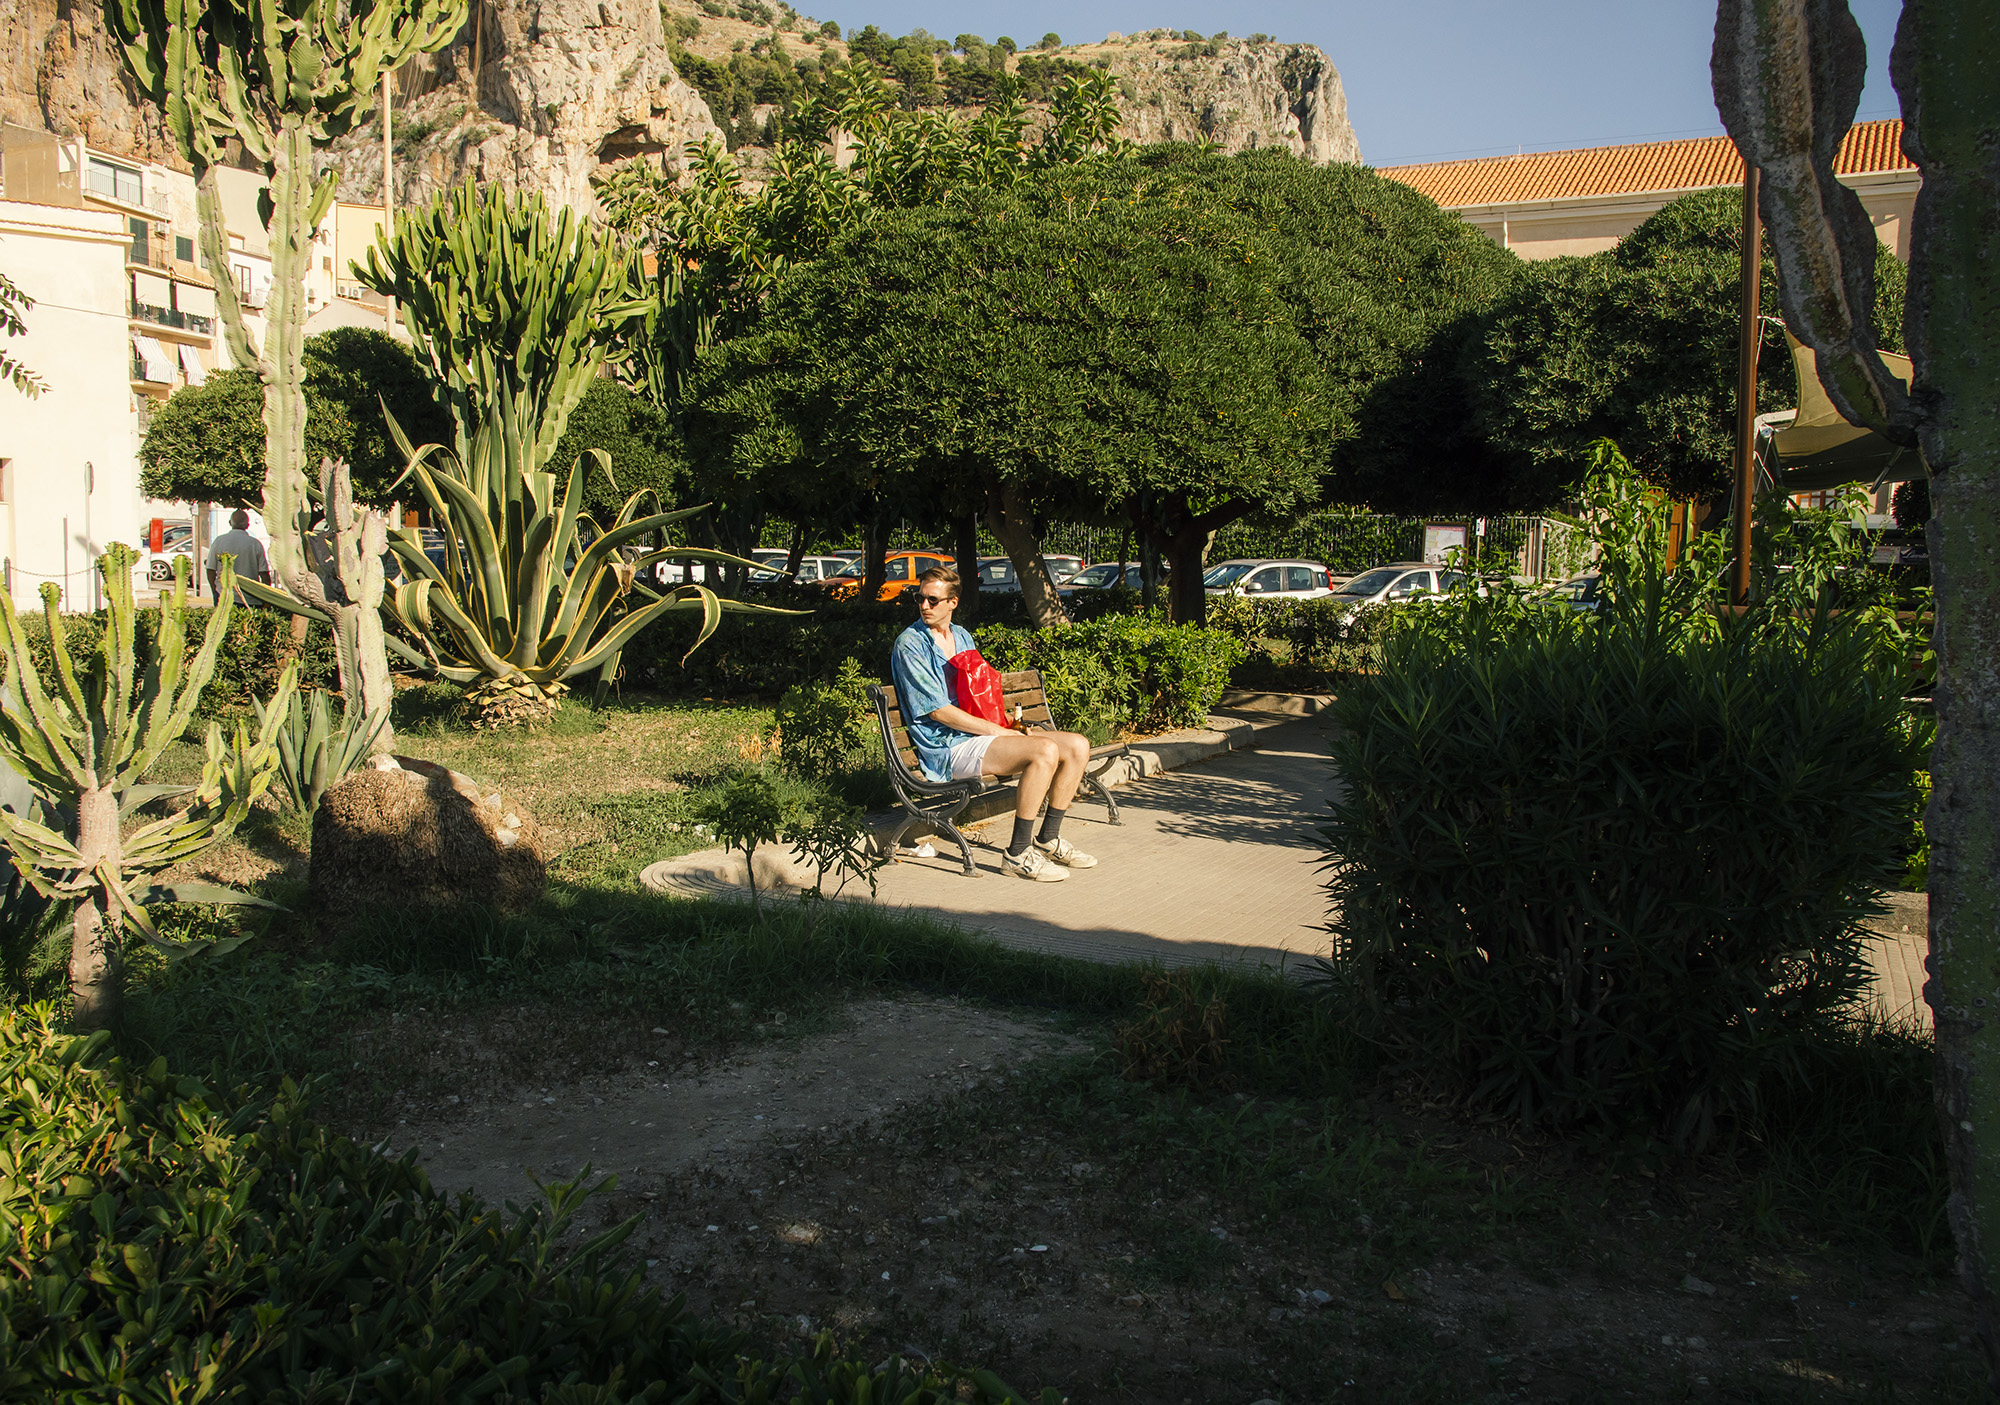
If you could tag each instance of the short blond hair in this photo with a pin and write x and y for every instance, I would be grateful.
(944, 575)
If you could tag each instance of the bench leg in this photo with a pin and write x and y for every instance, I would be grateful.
(1103, 793)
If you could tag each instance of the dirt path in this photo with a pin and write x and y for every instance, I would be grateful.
(893, 1053)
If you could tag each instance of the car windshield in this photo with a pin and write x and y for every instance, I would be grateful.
(1096, 575)
(852, 568)
(1371, 582)
(1225, 575)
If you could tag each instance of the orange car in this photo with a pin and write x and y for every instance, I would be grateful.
(899, 573)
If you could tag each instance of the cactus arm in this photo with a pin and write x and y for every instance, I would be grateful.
(166, 731)
(35, 735)
(1788, 119)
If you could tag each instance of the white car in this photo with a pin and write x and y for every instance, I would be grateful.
(1269, 579)
(811, 568)
(1402, 580)
(154, 570)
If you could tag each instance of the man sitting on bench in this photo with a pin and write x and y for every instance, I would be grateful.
(952, 744)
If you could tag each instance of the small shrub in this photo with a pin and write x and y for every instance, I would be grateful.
(822, 726)
(746, 812)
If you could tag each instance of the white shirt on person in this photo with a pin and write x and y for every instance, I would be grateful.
(245, 549)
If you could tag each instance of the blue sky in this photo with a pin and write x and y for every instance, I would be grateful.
(1440, 79)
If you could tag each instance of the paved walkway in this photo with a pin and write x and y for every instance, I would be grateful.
(1216, 861)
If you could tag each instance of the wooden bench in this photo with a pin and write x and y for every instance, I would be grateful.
(926, 801)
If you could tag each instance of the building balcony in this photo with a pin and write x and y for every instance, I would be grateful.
(173, 318)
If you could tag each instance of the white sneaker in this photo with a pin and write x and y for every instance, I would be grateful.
(1066, 853)
(1029, 863)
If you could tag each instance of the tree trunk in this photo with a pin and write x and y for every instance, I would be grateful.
(965, 546)
(1788, 78)
(874, 544)
(798, 552)
(93, 941)
(1009, 519)
(1187, 551)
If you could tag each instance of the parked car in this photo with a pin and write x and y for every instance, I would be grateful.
(899, 571)
(1578, 592)
(1280, 580)
(811, 569)
(1104, 575)
(155, 569)
(997, 572)
(1401, 580)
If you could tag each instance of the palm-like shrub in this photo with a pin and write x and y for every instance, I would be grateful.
(87, 749)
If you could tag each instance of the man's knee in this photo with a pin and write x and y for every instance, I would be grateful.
(1047, 751)
(1075, 747)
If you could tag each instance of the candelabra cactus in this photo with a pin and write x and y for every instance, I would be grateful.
(87, 749)
(279, 79)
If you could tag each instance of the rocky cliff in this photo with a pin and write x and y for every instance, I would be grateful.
(540, 94)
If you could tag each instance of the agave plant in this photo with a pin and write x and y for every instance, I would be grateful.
(86, 752)
(532, 592)
(316, 749)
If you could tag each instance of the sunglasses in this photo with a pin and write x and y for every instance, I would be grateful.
(923, 599)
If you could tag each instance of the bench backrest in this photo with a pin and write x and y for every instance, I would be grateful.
(1022, 690)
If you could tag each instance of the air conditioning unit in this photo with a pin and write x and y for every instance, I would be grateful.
(349, 290)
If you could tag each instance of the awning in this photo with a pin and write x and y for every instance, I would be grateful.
(153, 290)
(191, 365)
(193, 298)
(154, 362)
(1822, 450)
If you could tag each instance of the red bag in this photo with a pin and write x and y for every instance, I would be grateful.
(976, 687)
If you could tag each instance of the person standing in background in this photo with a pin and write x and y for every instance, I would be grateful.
(242, 548)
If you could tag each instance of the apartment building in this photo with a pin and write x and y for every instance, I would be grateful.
(125, 316)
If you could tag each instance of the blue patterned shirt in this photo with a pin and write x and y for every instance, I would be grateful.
(923, 685)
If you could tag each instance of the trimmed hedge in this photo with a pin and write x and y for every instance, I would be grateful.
(1615, 869)
(1123, 672)
(166, 1243)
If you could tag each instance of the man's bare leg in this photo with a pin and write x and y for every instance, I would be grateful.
(1051, 766)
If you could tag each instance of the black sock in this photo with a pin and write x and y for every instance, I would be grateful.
(1051, 825)
(1024, 830)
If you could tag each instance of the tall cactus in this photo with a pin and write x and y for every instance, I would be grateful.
(280, 79)
(1788, 77)
(87, 750)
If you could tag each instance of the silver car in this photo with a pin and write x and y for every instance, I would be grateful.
(1402, 580)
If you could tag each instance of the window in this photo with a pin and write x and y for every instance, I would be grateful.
(996, 572)
(140, 232)
(121, 183)
(1415, 583)
(326, 263)
(183, 249)
(1301, 578)
(899, 570)
(6, 480)
(242, 280)
(1265, 581)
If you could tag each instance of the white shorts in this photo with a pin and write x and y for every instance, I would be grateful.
(968, 756)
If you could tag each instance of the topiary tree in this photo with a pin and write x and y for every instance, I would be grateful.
(1637, 344)
(206, 444)
(1788, 78)
(87, 751)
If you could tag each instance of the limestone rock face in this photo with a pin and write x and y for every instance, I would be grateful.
(410, 835)
(1243, 96)
(534, 95)
(60, 72)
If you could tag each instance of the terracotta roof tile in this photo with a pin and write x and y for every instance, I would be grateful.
(1619, 170)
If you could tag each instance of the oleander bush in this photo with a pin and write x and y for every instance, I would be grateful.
(1613, 868)
(169, 1243)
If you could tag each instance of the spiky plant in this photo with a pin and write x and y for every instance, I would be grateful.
(278, 80)
(508, 306)
(317, 748)
(87, 749)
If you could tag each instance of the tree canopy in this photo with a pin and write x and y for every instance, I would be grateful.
(206, 444)
(1638, 344)
(1039, 352)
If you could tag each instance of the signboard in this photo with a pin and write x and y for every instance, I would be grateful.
(1440, 538)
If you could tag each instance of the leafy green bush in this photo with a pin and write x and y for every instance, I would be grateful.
(1122, 672)
(170, 1244)
(822, 725)
(1614, 867)
(1324, 636)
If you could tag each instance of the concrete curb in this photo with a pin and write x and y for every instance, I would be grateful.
(1239, 720)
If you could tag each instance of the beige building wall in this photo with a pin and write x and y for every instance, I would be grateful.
(1590, 224)
(69, 469)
